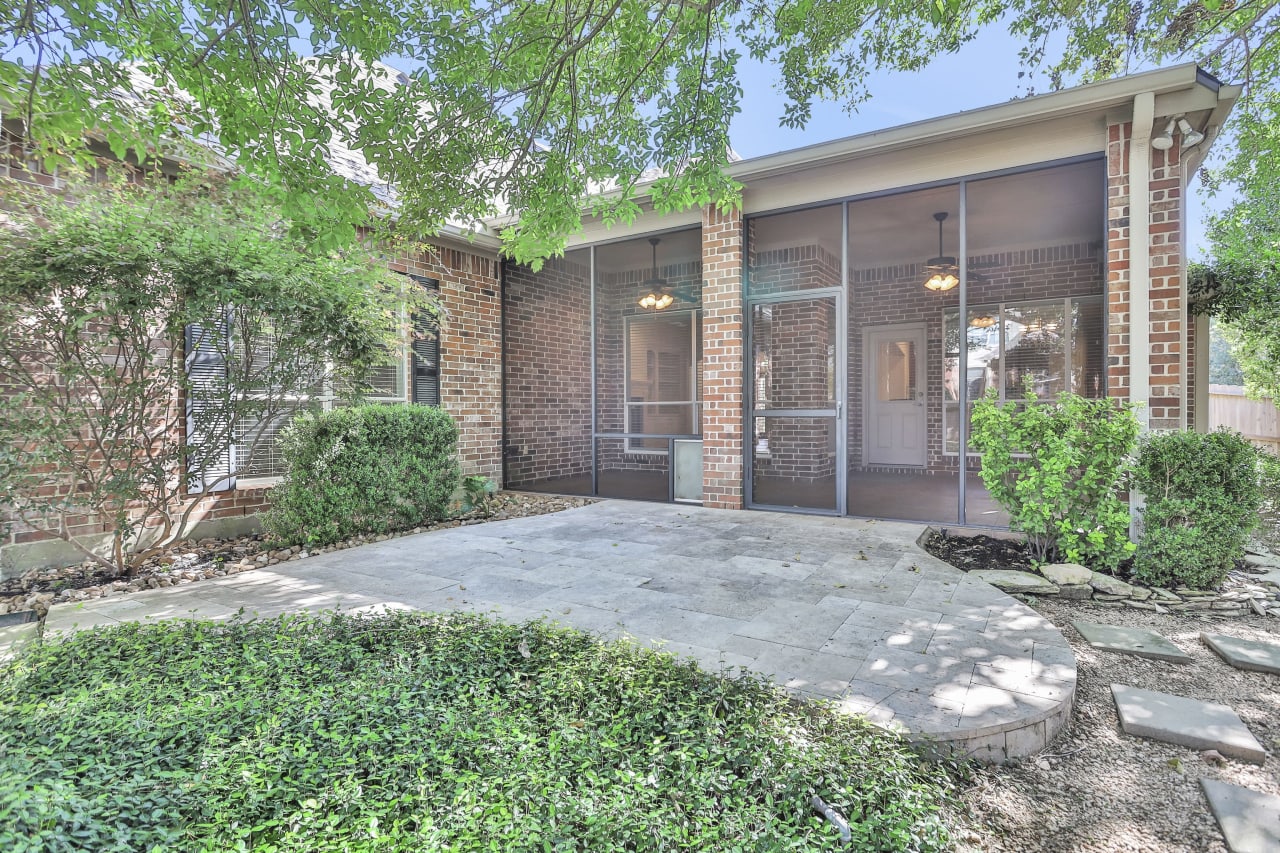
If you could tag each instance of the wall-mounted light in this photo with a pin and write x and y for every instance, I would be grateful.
(943, 272)
(1190, 136)
(982, 321)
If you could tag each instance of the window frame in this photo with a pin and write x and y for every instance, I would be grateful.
(695, 322)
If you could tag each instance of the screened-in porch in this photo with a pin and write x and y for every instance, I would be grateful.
(861, 369)
(603, 371)
(871, 326)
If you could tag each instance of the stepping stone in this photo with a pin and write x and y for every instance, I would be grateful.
(1185, 722)
(1250, 820)
(1131, 641)
(1245, 654)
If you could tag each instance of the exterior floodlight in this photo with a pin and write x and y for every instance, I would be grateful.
(1190, 136)
(1164, 141)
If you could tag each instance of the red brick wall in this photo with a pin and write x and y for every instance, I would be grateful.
(722, 358)
(1118, 139)
(1168, 307)
(1168, 332)
(470, 351)
(547, 371)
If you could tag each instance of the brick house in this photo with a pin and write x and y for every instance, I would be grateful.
(822, 344)
(817, 349)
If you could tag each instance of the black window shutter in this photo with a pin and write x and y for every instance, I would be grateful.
(425, 363)
(206, 349)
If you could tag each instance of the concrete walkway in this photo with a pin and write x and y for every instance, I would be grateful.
(839, 609)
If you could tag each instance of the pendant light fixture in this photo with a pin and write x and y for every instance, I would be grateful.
(943, 272)
(658, 296)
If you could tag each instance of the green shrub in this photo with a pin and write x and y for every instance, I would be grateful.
(1203, 492)
(1057, 467)
(422, 732)
(364, 469)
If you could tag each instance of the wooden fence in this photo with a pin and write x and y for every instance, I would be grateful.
(1257, 420)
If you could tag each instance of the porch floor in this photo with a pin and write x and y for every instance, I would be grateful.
(906, 496)
(845, 610)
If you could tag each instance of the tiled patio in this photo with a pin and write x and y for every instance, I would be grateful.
(840, 609)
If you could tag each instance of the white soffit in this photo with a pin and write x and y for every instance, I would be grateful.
(1093, 100)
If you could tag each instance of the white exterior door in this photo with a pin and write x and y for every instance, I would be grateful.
(894, 388)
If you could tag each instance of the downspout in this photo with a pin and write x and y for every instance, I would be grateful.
(1144, 108)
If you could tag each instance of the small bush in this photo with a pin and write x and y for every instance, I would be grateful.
(1203, 493)
(364, 469)
(1057, 467)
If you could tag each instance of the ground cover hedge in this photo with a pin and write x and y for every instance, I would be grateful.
(428, 732)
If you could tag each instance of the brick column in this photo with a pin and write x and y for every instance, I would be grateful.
(1118, 137)
(1168, 332)
(722, 359)
(1169, 339)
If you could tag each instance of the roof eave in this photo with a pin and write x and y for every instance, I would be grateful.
(1094, 97)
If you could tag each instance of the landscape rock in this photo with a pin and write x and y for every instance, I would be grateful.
(1016, 582)
(1076, 591)
(1066, 574)
(1109, 585)
(1267, 561)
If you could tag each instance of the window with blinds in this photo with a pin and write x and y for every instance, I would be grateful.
(424, 352)
(662, 377)
(1047, 346)
(257, 448)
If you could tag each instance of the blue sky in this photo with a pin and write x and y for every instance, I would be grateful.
(984, 72)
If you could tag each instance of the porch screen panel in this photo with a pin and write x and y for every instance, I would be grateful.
(792, 252)
(1037, 275)
(648, 359)
(901, 372)
(547, 375)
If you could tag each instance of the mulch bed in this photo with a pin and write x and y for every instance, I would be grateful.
(969, 553)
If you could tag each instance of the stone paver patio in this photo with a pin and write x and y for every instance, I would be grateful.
(840, 609)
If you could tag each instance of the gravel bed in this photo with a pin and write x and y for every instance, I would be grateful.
(1097, 789)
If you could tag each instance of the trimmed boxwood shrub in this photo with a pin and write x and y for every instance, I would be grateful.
(364, 469)
(1203, 493)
